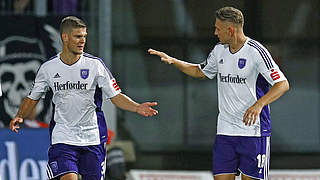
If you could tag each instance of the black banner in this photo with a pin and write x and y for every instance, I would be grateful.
(25, 43)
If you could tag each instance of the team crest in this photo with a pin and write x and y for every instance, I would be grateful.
(84, 73)
(242, 63)
(54, 166)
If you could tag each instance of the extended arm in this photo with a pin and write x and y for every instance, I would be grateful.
(188, 68)
(124, 102)
(25, 109)
(276, 91)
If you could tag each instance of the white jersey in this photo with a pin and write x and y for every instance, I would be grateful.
(77, 118)
(243, 77)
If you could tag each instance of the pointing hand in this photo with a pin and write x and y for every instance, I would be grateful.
(164, 57)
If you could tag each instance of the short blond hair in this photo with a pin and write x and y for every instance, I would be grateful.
(230, 14)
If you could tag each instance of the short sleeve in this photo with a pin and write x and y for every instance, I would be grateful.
(40, 85)
(106, 81)
(209, 67)
(268, 68)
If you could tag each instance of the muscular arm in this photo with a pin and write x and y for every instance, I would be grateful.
(124, 102)
(25, 109)
(188, 68)
(276, 91)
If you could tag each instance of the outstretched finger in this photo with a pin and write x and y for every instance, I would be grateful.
(151, 103)
(155, 52)
(152, 51)
(149, 112)
(153, 111)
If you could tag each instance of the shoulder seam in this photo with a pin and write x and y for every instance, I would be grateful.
(101, 61)
(262, 52)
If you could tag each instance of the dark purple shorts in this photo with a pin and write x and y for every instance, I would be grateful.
(89, 161)
(241, 154)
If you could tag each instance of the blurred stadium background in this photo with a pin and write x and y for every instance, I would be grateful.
(121, 31)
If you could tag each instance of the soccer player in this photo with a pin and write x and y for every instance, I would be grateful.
(244, 70)
(78, 130)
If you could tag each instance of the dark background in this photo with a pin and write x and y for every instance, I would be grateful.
(182, 135)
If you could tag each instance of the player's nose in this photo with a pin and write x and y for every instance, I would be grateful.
(215, 32)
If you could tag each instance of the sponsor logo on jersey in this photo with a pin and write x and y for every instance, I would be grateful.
(232, 79)
(115, 85)
(70, 86)
(242, 63)
(274, 74)
(84, 73)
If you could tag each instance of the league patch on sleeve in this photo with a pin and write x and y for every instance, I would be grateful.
(115, 85)
(274, 74)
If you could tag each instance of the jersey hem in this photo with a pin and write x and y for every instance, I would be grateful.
(33, 98)
(246, 135)
(117, 92)
(77, 144)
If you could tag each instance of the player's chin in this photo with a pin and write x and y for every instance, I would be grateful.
(222, 42)
(78, 52)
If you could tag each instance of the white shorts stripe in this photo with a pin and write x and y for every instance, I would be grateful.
(49, 172)
(267, 160)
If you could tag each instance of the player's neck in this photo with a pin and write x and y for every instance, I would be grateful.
(237, 42)
(69, 57)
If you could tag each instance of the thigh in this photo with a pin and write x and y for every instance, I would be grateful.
(225, 177)
(93, 162)
(69, 176)
(225, 158)
(62, 160)
(255, 157)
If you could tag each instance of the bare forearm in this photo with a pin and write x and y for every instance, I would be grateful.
(124, 102)
(26, 107)
(274, 93)
(188, 68)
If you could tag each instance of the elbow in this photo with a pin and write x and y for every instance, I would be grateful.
(286, 86)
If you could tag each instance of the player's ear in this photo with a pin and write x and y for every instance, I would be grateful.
(64, 37)
(231, 30)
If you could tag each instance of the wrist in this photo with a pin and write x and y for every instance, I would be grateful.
(260, 104)
(19, 116)
(136, 108)
(174, 60)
